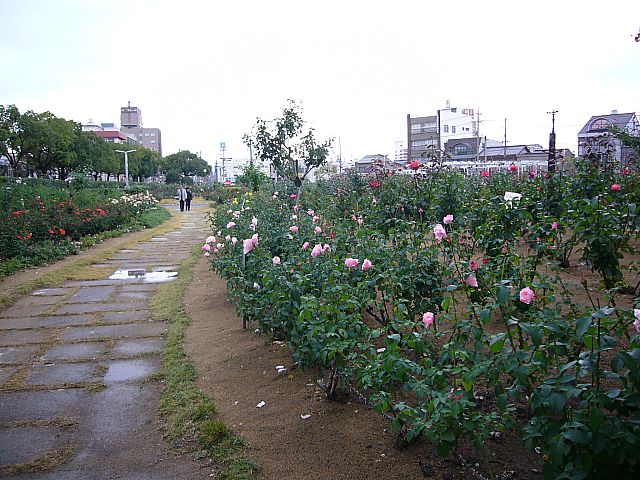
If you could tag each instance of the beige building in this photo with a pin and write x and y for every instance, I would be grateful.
(131, 124)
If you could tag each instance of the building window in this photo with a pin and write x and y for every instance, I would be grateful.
(453, 129)
(460, 149)
(600, 124)
(445, 129)
(423, 144)
(427, 127)
(153, 141)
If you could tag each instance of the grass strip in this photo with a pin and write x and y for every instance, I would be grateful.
(191, 422)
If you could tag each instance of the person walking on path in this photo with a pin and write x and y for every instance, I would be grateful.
(188, 199)
(182, 196)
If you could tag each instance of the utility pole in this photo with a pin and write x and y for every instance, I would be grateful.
(504, 152)
(551, 162)
(478, 135)
(223, 147)
(340, 155)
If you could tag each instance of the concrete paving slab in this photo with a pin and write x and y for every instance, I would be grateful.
(75, 351)
(92, 294)
(131, 370)
(39, 404)
(26, 310)
(55, 292)
(6, 372)
(129, 296)
(59, 373)
(44, 321)
(101, 307)
(20, 337)
(150, 329)
(21, 444)
(125, 317)
(138, 347)
(16, 354)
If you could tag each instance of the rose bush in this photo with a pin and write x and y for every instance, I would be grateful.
(452, 323)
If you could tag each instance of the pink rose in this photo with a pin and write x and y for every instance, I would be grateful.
(305, 245)
(439, 232)
(210, 239)
(351, 262)
(554, 226)
(415, 165)
(427, 319)
(527, 295)
(276, 260)
(293, 229)
(317, 250)
(485, 174)
(247, 245)
(206, 247)
(325, 247)
(234, 240)
(615, 187)
(636, 313)
(513, 168)
(231, 224)
(448, 219)
(472, 281)
(318, 230)
(373, 200)
(254, 239)
(366, 265)
(474, 265)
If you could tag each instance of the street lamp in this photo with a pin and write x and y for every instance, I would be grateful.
(126, 166)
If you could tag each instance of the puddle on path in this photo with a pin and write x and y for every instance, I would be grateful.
(147, 277)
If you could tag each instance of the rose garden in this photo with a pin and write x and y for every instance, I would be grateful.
(454, 308)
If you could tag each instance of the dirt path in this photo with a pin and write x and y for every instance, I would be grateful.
(237, 369)
(78, 398)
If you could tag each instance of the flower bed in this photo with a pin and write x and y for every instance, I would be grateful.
(443, 302)
(37, 220)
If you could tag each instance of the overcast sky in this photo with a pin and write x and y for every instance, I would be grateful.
(202, 71)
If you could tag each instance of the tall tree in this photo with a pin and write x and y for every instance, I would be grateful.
(187, 163)
(284, 144)
(12, 137)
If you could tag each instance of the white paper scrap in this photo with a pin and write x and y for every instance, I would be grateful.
(261, 404)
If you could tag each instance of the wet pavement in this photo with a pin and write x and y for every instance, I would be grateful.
(78, 394)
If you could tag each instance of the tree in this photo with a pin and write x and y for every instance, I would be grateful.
(95, 155)
(185, 162)
(12, 137)
(282, 142)
(252, 177)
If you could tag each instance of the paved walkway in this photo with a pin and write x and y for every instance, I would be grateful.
(78, 399)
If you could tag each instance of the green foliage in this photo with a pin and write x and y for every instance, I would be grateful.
(284, 144)
(38, 224)
(252, 177)
(491, 348)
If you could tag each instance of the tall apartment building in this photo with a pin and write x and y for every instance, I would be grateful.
(131, 124)
(427, 135)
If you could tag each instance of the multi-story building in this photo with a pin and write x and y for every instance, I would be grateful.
(109, 133)
(595, 139)
(426, 136)
(131, 124)
(400, 152)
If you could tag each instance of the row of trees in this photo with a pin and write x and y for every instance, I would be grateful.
(44, 145)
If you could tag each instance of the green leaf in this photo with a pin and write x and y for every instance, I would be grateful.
(445, 304)
(497, 342)
(503, 294)
(577, 436)
(582, 326)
